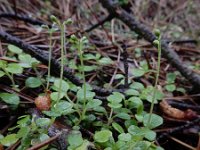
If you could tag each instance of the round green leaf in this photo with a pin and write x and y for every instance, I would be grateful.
(14, 49)
(75, 139)
(171, 77)
(154, 122)
(114, 105)
(115, 97)
(54, 96)
(89, 95)
(124, 116)
(9, 140)
(150, 135)
(138, 72)
(12, 99)
(105, 61)
(63, 106)
(33, 82)
(132, 92)
(43, 137)
(43, 122)
(137, 86)
(93, 103)
(102, 136)
(64, 85)
(124, 137)
(170, 87)
(135, 131)
(14, 68)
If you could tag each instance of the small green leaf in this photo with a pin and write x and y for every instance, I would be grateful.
(33, 82)
(105, 61)
(54, 96)
(137, 86)
(138, 72)
(93, 103)
(170, 87)
(26, 61)
(88, 68)
(23, 131)
(12, 99)
(124, 137)
(150, 135)
(154, 122)
(117, 127)
(124, 116)
(9, 140)
(182, 90)
(89, 95)
(136, 102)
(114, 105)
(23, 120)
(64, 86)
(115, 97)
(85, 145)
(171, 77)
(63, 107)
(75, 139)
(2, 74)
(102, 136)
(14, 68)
(43, 122)
(43, 137)
(3, 64)
(135, 131)
(132, 92)
(14, 49)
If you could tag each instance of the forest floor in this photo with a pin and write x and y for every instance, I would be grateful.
(117, 63)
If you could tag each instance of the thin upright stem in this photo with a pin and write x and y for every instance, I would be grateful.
(110, 116)
(80, 49)
(156, 82)
(62, 60)
(49, 63)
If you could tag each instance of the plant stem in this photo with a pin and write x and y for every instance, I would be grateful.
(80, 49)
(62, 60)
(157, 77)
(110, 116)
(50, 55)
(10, 76)
(11, 79)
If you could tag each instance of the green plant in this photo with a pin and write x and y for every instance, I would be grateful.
(62, 39)
(80, 46)
(29, 130)
(50, 31)
(170, 83)
(158, 44)
(119, 123)
(10, 69)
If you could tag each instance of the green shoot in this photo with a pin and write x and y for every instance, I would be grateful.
(158, 44)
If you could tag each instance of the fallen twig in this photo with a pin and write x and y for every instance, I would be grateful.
(180, 128)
